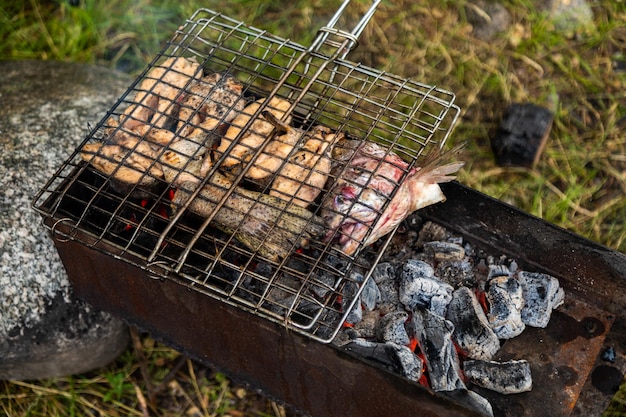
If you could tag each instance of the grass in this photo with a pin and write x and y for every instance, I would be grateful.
(579, 182)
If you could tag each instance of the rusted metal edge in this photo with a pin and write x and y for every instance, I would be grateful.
(316, 379)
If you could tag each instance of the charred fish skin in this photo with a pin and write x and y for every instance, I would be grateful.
(267, 225)
(375, 189)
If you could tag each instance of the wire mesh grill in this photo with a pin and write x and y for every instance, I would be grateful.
(198, 232)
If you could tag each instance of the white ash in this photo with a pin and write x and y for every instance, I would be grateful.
(434, 335)
(419, 288)
(391, 328)
(471, 327)
(444, 251)
(409, 363)
(506, 301)
(511, 377)
(397, 358)
(368, 325)
(370, 295)
(356, 313)
(497, 270)
(542, 293)
(385, 277)
(456, 273)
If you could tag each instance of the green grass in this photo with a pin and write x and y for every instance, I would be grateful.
(579, 182)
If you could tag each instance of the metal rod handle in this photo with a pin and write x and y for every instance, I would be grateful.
(351, 38)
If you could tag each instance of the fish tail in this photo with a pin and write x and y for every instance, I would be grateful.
(440, 166)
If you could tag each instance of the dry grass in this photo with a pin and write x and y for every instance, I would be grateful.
(579, 182)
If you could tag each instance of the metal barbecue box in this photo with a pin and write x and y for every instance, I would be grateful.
(197, 209)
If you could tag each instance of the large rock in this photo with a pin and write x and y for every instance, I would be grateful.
(46, 110)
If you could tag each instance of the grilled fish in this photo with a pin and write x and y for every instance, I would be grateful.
(156, 101)
(251, 138)
(209, 102)
(130, 160)
(375, 190)
(267, 225)
(301, 176)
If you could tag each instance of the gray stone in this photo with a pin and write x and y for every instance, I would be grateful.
(488, 18)
(569, 16)
(47, 108)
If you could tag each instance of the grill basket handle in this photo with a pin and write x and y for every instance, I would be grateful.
(350, 40)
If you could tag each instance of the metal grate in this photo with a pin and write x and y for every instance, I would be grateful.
(313, 288)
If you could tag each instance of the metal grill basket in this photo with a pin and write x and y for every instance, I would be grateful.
(312, 291)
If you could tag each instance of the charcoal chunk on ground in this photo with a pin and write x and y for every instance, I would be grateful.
(522, 135)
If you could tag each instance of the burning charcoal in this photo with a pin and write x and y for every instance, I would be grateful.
(384, 272)
(471, 400)
(366, 328)
(497, 270)
(419, 288)
(370, 296)
(409, 363)
(323, 284)
(542, 294)
(510, 377)
(397, 358)
(445, 251)
(281, 298)
(431, 232)
(456, 273)
(349, 292)
(391, 328)
(326, 276)
(505, 299)
(384, 275)
(471, 327)
(434, 335)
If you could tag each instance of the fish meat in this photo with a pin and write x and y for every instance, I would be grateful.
(209, 102)
(268, 225)
(303, 175)
(159, 92)
(374, 190)
(130, 160)
(131, 149)
(248, 132)
(301, 170)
